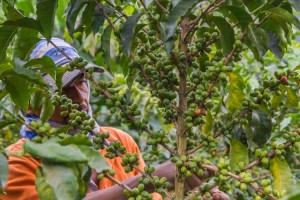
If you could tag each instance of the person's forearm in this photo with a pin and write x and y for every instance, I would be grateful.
(116, 192)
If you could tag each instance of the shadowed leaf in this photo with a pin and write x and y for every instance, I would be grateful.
(128, 31)
(6, 36)
(177, 11)
(45, 11)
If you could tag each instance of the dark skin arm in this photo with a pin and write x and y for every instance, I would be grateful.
(167, 170)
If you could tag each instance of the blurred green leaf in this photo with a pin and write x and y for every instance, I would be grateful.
(292, 99)
(276, 100)
(283, 178)
(240, 14)
(296, 4)
(54, 152)
(131, 77)
(6, 36)
(24, 42)
(63, 180)
(95, 159)
(29, 75)
(47, 109)
(284, 14)
(11, 13)
(208, 126)
(236, 92)
(227, 34)
(58, 78)
(257, 40)
(45, 11)
(25, 22)
(5, 66)
(44, 190)
(36, 100)
(99, 18)
(105, 46)
(44, 64)
(238, 153)
(181, 9)
(128, 31)
(17, 87)
(261, 127)
(6, 122)
(77, 139)
(3, 170)
(293, 193)
(73, 9)
(148, 2)
(3, 93)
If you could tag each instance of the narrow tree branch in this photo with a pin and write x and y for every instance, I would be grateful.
(161, 7)
(101, 9)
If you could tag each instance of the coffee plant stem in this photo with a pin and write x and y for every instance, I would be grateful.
(161, 7)
(112, 5)
(209, 8)
(105, 15)
(150, 15)
(118, 182)
(182, 126)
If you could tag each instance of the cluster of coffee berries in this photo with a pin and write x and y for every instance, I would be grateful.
(103, 86)
(223, 166)
(246, 179)
(128, 113)
(294, 138)
(208, 140)
(78, 119)
(263, 156)
(98, 140)
(159, 184)
(266, 184)
(44, 130)
(129, 160)
(284, 76)
(188, 167)
(78, 62)
(114, 149)
(194, 117)
(139, 192)
(104, 173)
(157, 138)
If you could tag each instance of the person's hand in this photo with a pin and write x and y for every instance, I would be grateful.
(216, 194)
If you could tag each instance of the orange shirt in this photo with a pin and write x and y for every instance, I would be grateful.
(21, 170)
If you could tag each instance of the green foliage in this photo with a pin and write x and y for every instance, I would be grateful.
(282, 174)
(238, 154)
(197, 82)
(3, 171)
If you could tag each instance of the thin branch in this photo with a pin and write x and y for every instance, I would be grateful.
(104, 13)
(118, 182)
(161, 7)
(112, 5)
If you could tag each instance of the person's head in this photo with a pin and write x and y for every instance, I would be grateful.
(74, 84)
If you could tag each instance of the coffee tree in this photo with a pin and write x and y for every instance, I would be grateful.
(214, 73)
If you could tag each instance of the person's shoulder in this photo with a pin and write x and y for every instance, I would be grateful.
(16, 147)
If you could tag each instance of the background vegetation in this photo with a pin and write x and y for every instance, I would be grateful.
(231, 89)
